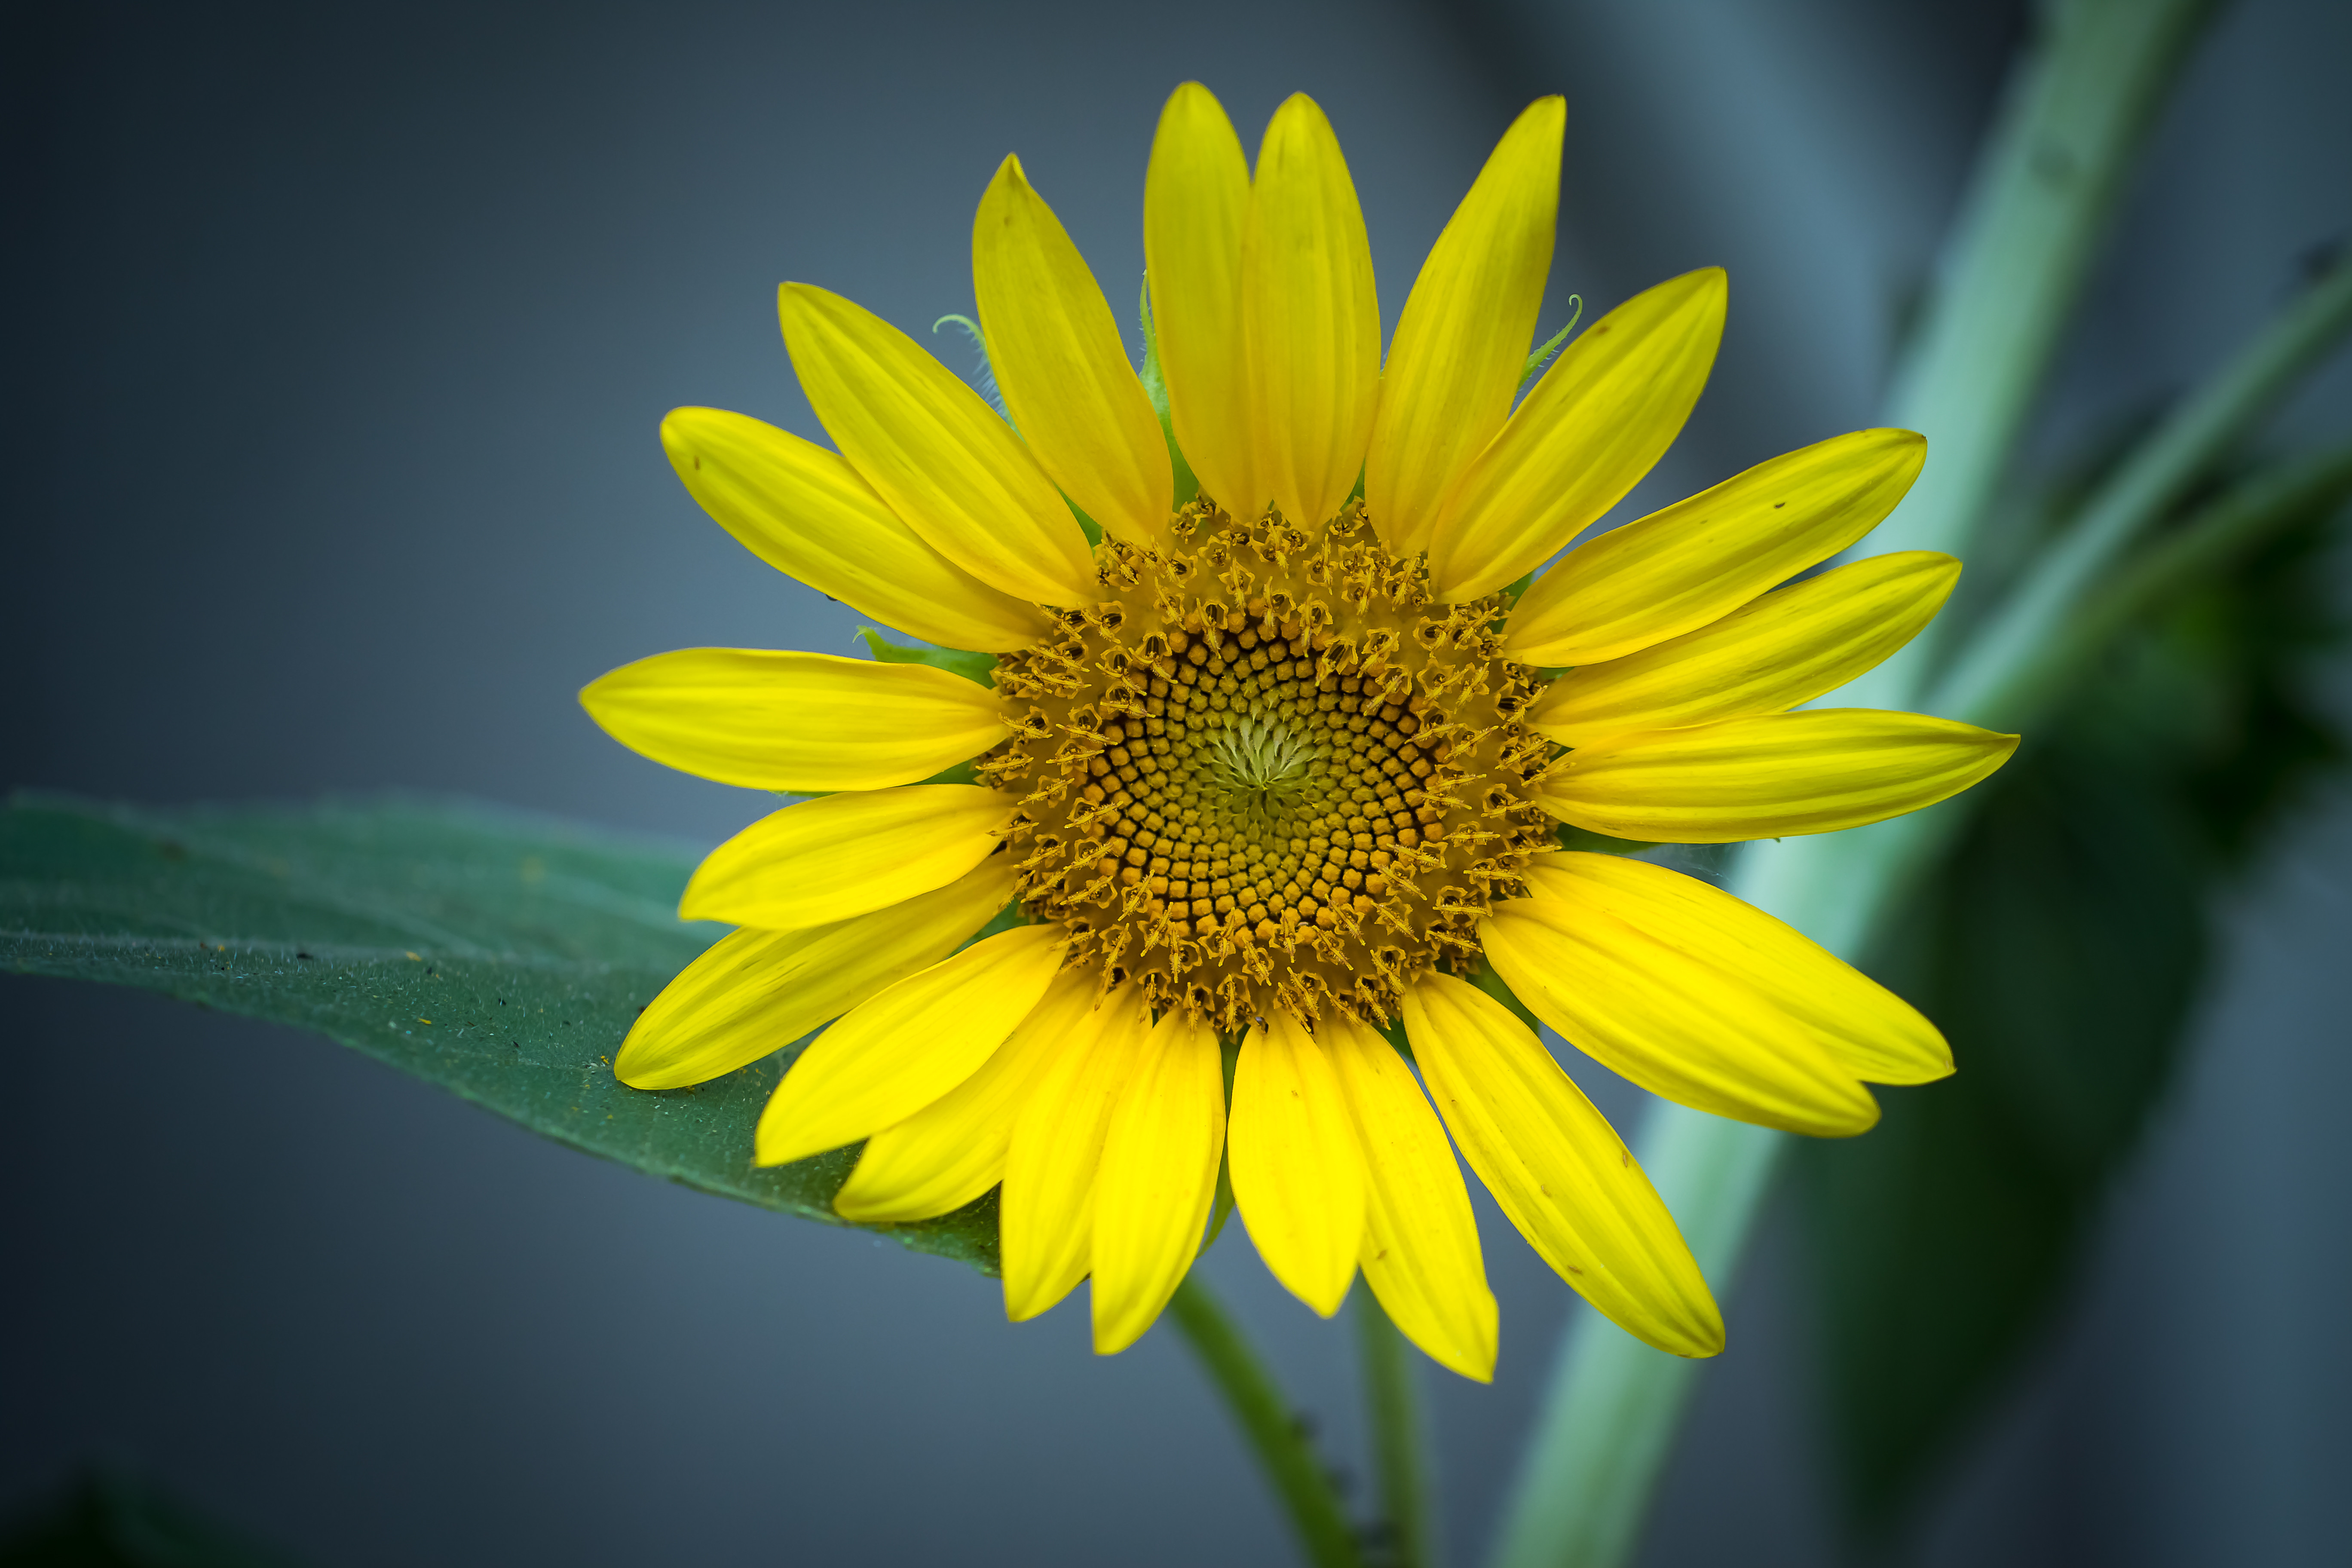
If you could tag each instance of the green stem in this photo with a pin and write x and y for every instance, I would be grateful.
(1983, 684)
(2029, 230)
(1610, 1419)
(1266, 1420)
(2039, 206)
(1399, 1463)
(1610, 1416)
(2019, 255)
(2216, 535)
(1611, 1411)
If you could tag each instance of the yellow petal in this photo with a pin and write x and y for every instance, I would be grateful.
(1310, 318)
(801, 723)
(952, 1150)
(932, 449)
(1785, 648)
(842, 855)
(900, 1050)
(1045, 1226)
(1420, 1250)
(1557, 1169)
(1605, 412)
(1159, 1173)
(1767, 777)
(1871, 1032)
(805, 510)
(1054, 347)
(1195, 198)
(755, 991)
(1664, 1016)
(1461, 343)
(1698, 559)
(1298, 1179)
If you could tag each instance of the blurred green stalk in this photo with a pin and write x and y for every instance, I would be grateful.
(1399, 1464)
(2052, 171)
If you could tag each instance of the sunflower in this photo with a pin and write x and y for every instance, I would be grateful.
(1256, 808)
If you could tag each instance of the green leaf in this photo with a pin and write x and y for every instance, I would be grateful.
(2060, 949)
(500, 955)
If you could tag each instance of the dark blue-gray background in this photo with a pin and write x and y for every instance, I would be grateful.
(337, 338)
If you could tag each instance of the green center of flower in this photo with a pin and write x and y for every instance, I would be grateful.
(1264, 766)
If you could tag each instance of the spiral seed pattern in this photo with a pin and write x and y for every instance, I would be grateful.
(1300, 788)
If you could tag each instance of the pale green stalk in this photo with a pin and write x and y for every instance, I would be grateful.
(2039, 206)
(1392, 1410)
(2056, 160)
(1980, 686)
(2203, 546)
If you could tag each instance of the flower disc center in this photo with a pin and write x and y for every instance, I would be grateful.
(1297, 790)
(1263, 763)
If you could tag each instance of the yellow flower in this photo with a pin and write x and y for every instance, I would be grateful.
(1280, 765)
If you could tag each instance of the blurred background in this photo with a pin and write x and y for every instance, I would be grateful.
(337, 341)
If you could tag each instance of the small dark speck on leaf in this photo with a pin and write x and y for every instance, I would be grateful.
(1572, 1268)
(697, 462)
(302, 955)
(1779, 504)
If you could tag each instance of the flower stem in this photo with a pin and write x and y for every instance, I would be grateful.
(1274, 1431)
(2032, 223)
(2240, 520)
(1399, 1458)
(1609, 1413)
(2014, 266)
(1990, 681)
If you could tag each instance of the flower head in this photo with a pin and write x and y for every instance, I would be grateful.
(1269, 774)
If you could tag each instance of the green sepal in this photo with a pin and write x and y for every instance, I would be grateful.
(1574, 837)
(1551, 345)
(975, 667)
(1222, 1208)
(1004, 920)
(1155, 387)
